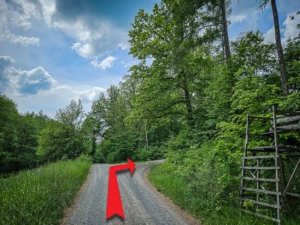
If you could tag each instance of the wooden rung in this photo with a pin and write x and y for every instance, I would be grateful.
(287, 119)
(291, 153)
(290, 127)
(260, 157)
(268, 134)
(263, 148)
(293, 195)
(260, 168)
(261, 179)
(279, 112)
(289, 147)
(261, 215)
(261, 118)
(261, 191)
(261, 203)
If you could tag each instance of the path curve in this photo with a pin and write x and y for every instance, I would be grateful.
(142, 206)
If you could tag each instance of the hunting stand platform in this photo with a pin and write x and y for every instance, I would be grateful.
(269, 172)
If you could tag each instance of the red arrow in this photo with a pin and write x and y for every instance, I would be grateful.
(114, 201)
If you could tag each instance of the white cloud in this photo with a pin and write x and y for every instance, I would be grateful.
(287, 6)
(23, 81)
(270, 36)
(244, 10)
(94, 40)
(131, 63)
(57, 98)
(5, 61)
(290, 30)
(105, 63)
(13, 15)
(90, 95)
(67, 93)
(24, 40)
(36, 89)
(94, 36)
(123, 46)
(237, 18)
(30, 82)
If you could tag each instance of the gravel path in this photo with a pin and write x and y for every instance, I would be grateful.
(140, 203)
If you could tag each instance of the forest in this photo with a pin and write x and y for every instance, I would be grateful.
(185, 100)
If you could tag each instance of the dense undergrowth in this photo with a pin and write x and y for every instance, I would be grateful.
(41, 195)
(204, 204)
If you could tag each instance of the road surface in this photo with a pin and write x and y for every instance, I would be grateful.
(140, 203)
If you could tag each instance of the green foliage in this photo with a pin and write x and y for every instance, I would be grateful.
(65, 137)
(291, 103)
(292, 62)
(168, 85)
(85, 158)
(58, 141)
(30, 139)
(143, 155)
(41, 196)
(71, 115)
(207, 160)
(168, 180)
(18, 137)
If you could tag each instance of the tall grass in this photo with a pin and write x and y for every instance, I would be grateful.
(165, 178)
(40, 196)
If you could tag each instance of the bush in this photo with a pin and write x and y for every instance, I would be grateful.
(143, 155)
(85, 158)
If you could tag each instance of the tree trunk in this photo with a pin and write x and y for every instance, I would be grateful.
(222, 5)
(279, 49)
(147, 144)
(94, 143)
(225, 32)
(188, 102)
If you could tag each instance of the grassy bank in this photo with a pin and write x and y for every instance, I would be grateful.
(40, 196)
(167, 181)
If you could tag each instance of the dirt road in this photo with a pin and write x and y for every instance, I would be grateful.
(140, 203)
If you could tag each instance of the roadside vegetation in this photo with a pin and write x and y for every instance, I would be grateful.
(204, 204)
(40, 196)
(185, 99)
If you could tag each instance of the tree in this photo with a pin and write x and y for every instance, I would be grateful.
(170, 39)
(57, 141)
(8, 133)
(18, 137)
(292, 60)
(71, 115)
(63, 137)
(108, 115)
(284, 79)
(257, 86)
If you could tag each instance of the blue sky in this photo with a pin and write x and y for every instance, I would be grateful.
(52, 51)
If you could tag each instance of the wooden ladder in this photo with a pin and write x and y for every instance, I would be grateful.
(263, 167)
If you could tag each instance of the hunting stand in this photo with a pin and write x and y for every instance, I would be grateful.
(269, 172)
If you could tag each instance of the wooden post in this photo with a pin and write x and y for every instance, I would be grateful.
(257, 182)
(244, 160)
(276, 164)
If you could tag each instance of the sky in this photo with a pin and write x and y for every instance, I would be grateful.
(53, 51)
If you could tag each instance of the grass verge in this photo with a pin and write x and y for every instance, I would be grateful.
(40, 196)
(167, 181)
